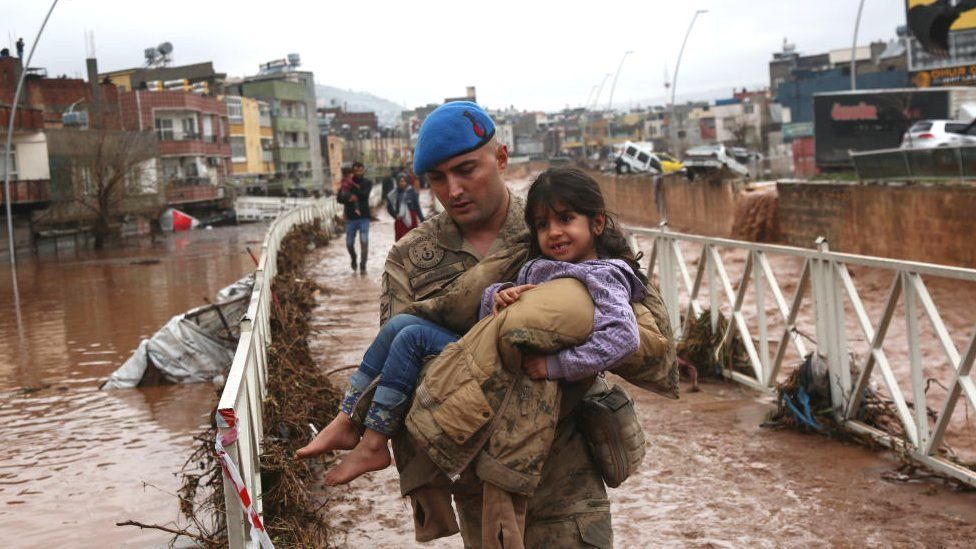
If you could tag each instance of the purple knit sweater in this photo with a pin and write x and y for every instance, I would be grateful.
(613, 286)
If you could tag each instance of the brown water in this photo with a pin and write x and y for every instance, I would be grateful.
(76, 460)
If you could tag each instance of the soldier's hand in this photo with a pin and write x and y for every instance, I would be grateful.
(506, 297)
(535, 366)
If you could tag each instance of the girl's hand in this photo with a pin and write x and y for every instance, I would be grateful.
(506, 297)
(535, 367)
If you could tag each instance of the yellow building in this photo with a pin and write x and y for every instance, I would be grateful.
(251, 137)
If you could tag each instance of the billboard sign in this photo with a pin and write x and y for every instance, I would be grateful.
(870, 120)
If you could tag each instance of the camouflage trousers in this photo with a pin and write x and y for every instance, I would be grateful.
(569, 508)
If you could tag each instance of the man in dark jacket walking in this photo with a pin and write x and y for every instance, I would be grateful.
(355, 198)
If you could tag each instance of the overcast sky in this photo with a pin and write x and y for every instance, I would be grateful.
(534, 55)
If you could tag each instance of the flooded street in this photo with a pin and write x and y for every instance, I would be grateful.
(76, 460)
(712, 476)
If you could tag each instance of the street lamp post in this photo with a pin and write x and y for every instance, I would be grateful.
(613, 86)
(7, 148)
(674, 82)
(857, 24)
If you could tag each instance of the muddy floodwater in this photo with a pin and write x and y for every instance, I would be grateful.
(76, 460)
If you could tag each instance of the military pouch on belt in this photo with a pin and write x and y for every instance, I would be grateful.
(609, 422)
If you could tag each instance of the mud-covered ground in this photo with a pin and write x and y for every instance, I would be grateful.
(712, 476)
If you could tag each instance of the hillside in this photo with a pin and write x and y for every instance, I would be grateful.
(387, 111)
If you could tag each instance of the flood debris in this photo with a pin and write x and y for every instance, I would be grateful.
(803, 403)
(194, 347)
(702, 353)
(299, 394)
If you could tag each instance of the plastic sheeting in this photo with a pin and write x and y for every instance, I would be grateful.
(193, 347)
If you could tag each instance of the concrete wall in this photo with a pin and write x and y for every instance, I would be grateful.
(699, 207)
(933, 223)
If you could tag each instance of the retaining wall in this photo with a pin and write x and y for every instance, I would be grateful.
(934, 223)
(699, 207)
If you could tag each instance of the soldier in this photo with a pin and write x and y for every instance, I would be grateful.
(439, 271)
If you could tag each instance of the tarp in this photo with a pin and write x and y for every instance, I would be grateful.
(192, 347)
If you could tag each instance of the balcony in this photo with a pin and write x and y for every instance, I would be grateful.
(27, 192)
(182, 191)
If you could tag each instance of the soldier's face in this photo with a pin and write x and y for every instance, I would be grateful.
(470, 185)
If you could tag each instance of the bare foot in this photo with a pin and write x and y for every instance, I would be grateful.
(340, 434)
(371, 454)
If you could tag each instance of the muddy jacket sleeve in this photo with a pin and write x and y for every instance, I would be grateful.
(614, 335)
(397, 294)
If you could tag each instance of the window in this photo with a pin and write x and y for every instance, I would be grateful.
(643, 157)
(208, 130)
(13, 162)
(164, 129)
(235, 112)
(237, 151)
(190, 127)
(956, 128)
(748, 108)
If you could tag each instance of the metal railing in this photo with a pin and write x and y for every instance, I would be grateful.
(245, 388)
(826, 297)
(932, 164)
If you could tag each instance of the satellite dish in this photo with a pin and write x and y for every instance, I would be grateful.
(165, 48)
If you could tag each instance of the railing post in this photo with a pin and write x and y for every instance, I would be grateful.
(823, 297)
(714, 287)
(669, 286)
(759, 285)
(915, 359)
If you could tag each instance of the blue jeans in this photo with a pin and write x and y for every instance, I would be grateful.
(357, 225)
(396, 355)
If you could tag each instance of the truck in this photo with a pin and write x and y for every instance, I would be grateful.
(865, 120)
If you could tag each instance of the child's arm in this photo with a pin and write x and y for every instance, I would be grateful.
(614, 334)
(488, 298)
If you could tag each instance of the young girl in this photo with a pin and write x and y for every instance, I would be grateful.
(571, 237)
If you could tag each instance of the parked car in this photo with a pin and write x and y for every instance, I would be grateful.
(928, 134)
(706, 158)
(641, 157)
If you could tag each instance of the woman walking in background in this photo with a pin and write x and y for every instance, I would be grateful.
(403, 203)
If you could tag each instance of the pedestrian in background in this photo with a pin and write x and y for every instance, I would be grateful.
(403, 203)
(356, 202)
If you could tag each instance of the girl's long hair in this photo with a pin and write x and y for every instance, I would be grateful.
(573, 189)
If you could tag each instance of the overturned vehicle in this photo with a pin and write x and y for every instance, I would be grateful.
(641, 158)
(707, 161)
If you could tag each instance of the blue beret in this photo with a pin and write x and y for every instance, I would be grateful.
(454, 128)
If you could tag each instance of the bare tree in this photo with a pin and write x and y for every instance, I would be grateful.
(102, 169)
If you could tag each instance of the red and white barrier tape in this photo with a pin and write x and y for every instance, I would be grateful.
(227, 422)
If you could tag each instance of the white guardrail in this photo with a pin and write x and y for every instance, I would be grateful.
(245, 389)
(828, 278)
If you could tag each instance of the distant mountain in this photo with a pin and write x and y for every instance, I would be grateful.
(387, 111)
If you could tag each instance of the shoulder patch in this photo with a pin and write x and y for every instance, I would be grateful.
(425, 253)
